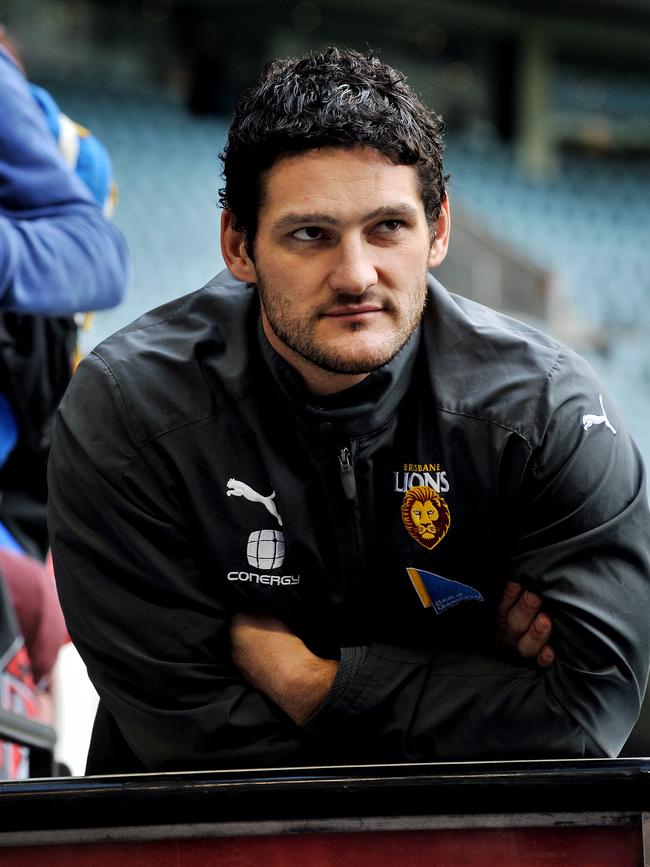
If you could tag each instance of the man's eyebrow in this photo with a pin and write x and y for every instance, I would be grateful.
(290, 220)
(395, 212)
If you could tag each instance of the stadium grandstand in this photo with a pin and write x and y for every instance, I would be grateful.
(548, 115)
(547, 107)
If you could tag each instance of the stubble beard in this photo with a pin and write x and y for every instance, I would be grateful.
(300, 336)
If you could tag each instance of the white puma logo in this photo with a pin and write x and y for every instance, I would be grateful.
(590, 419)
(240, 489)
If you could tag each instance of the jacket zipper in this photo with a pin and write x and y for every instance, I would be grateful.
(347, 474)
(353, 557)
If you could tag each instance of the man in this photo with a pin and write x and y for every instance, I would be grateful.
(296, 515)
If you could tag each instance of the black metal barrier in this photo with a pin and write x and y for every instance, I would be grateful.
(323, 794)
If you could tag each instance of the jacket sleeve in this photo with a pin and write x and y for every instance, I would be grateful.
(138, 605)
(58, 253)
(581, 538)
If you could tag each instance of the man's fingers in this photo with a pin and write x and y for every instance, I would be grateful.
(511, 592)
(536, 637)
(520, 617)
(546, 656)
(522, 625)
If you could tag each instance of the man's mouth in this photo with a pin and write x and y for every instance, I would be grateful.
(352, 311)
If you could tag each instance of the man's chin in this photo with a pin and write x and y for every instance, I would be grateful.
(351, 365)
(356, 359)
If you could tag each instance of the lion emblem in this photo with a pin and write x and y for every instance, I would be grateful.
(425, 515)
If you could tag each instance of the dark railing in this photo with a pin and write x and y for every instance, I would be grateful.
(299, 794)
(493, 814)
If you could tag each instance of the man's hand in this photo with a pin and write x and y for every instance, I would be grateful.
(278, 663)
(523, 626)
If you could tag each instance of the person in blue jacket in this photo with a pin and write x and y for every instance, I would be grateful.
(59, 255)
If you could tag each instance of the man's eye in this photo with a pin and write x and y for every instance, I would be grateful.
(308, 233)
(388, 227)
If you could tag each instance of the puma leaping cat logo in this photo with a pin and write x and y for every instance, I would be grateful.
(240, 489)
(589, 420)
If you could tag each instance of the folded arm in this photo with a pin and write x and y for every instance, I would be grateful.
(280, 665)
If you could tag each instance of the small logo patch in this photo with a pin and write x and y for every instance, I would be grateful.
(425, 516)
(265, 549)
(590, 420)
(412, 475)
(235, 488)
(440, 593)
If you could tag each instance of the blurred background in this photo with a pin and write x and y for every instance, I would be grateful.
(547, 106)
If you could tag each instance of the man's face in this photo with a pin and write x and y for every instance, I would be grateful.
(340, 261)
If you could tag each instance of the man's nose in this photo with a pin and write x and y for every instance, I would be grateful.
(352, 269)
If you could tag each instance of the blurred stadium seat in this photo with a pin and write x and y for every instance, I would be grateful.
(589, 224)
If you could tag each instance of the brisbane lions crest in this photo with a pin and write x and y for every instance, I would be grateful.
(425, 515)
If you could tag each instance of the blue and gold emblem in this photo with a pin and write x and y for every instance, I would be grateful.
(441, 593)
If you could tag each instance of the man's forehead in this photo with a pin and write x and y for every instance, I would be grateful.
(332, 182)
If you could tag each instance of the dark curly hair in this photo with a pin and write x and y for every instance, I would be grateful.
(333, 97)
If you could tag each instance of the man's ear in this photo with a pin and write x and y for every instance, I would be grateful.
(233, 250)
(441, 242)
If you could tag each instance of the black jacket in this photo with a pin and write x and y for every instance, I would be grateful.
(193, 476)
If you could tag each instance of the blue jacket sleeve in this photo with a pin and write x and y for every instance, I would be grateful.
(58, 253)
